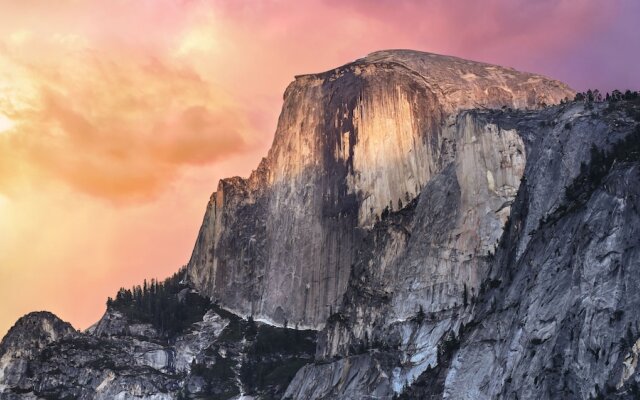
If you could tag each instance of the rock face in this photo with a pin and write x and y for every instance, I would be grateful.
(26, 339)
(549, 313)
(563, 316)
(442, 228)
(421, 267)
(219, 357)
(350, 143)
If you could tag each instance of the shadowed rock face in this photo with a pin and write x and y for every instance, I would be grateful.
(26, 338)
(219, 356)
(563, 320)
(350, 143)
(431, 256)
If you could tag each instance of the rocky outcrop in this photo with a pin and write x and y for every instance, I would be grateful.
(421, 268)
(219, 357)
(25, 339)
(350, 144)
(562, 317)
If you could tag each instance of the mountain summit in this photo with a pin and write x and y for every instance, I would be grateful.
(350, 143)
(423, 227)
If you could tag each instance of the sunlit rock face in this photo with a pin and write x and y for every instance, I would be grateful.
(433, 254)
(350, 143)
(436, 308)
(420, 269)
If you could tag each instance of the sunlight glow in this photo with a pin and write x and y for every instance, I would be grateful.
(5, 123)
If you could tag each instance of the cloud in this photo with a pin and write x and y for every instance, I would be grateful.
(113, 123)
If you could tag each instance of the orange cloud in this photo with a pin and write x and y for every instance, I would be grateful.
(119, 125)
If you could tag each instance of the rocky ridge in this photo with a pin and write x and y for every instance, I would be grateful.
(219, 357)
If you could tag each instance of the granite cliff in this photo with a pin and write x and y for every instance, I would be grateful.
(422, 227)
(548, 311)
(350, 144)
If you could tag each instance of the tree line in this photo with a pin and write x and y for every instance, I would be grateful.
(169, 305)
(595, 96)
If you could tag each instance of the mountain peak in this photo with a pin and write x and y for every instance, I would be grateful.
(351, 143)
(458, 83)
(31, 333)
(37, 326)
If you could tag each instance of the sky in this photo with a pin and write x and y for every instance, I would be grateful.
(117, 118)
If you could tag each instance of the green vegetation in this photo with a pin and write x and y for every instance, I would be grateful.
(629, 102)
(591, 96)
(465, 296)
(170, 306)
(594, 96)
(270, 356)
(449, 344)
(273, 356)
(592, 174)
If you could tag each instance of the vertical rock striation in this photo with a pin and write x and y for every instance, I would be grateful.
(420, 269)
(351, 143)
(562, 320)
